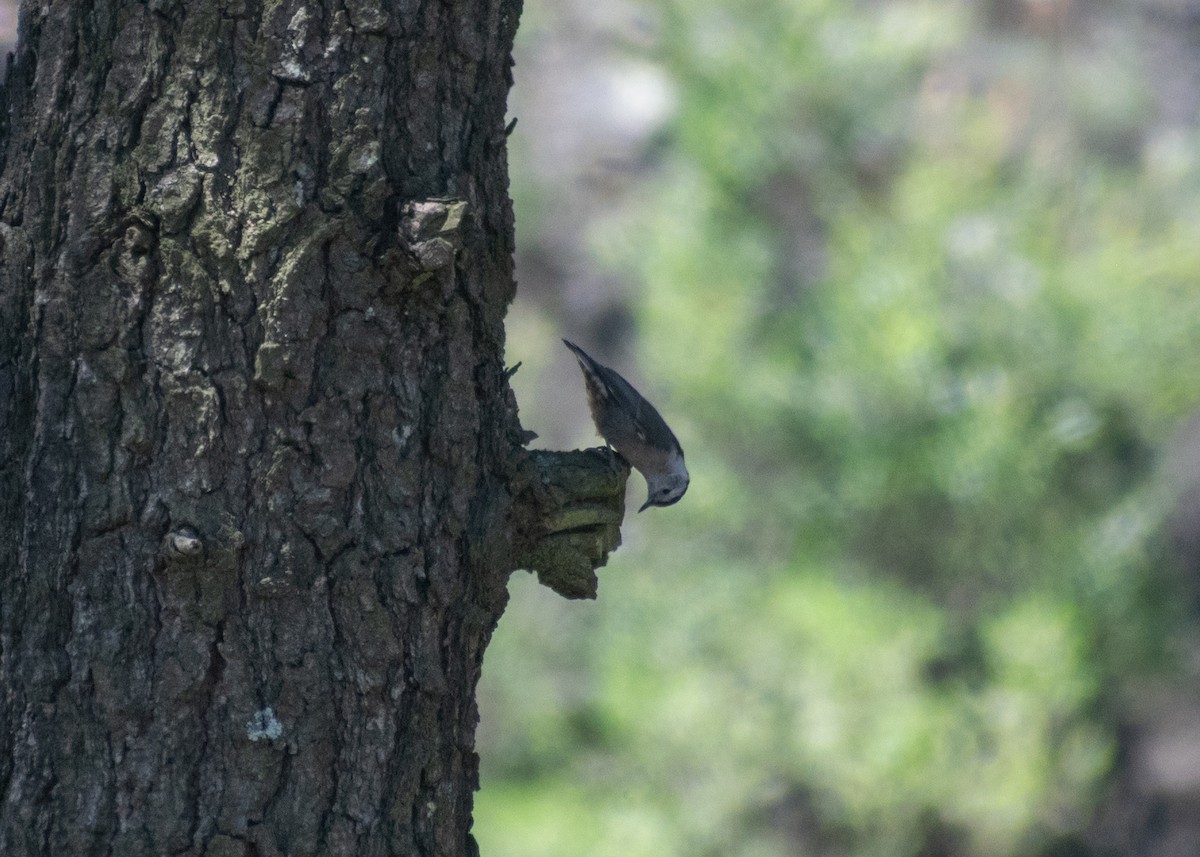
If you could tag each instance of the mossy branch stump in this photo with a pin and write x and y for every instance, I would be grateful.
(576, 506)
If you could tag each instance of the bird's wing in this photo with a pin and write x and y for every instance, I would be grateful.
(648, 423)
(646, 419)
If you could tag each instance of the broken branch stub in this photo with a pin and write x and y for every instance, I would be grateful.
(580, 503)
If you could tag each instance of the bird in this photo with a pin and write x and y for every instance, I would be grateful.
(631, 425)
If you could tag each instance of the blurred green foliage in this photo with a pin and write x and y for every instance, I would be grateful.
(926, 337)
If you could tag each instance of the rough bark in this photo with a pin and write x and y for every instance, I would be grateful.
(259, 460)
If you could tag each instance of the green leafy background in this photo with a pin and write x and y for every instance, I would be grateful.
(926, 322)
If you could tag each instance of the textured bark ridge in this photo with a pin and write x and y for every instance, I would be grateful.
(257, 446)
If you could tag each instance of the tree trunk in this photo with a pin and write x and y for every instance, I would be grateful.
(257, 447)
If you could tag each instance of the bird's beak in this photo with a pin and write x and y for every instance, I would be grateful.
(645, 505)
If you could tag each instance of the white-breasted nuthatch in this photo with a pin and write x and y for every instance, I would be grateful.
(631, 426)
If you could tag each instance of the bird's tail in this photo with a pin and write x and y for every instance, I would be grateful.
(585, 361)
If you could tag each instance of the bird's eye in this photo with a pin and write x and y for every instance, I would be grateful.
(665, 491)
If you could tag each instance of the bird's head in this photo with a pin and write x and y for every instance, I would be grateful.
(665, 490)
